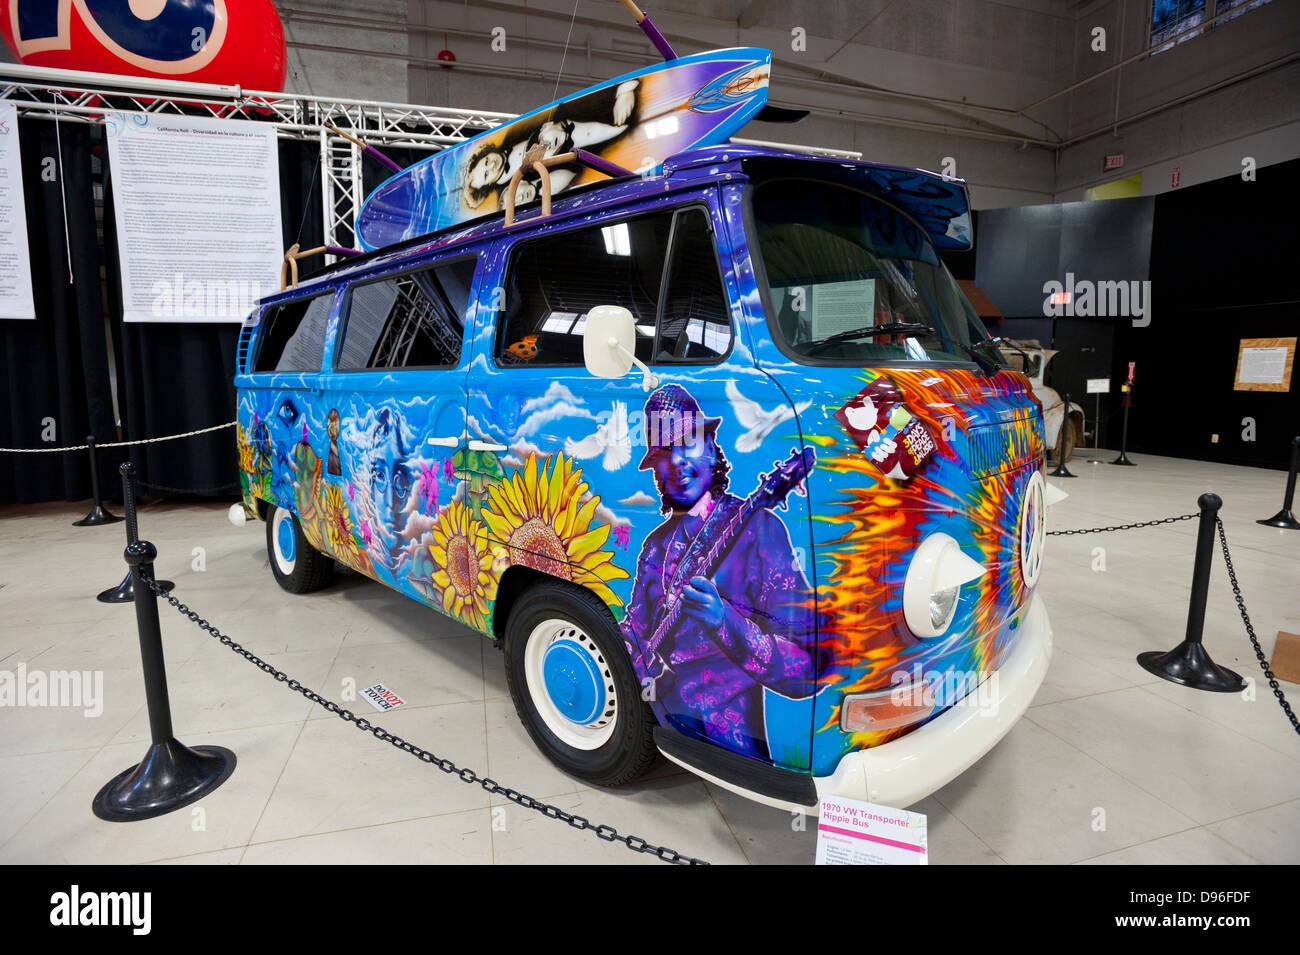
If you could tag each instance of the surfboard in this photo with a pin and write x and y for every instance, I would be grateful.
(636, 120)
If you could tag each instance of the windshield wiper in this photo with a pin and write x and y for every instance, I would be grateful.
(985, 363)
(907, 329)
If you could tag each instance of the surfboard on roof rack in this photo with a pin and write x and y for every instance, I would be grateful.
(629, 124)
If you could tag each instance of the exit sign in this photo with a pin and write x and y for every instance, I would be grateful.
(1112, 162)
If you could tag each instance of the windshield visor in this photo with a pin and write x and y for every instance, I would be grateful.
(839, 262)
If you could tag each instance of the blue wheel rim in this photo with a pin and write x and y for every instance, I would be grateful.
(285, 539)
(574, 682)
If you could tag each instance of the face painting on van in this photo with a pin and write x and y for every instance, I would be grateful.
(719, 605)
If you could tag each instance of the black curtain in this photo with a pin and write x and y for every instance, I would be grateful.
(56, 367)
(1222, 270)
(171, 377)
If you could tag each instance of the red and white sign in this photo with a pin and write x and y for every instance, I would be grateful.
(1176, 178)
(382, 698)
(1112, 162)
(1131, 365)
(235, 42)
(852, 832)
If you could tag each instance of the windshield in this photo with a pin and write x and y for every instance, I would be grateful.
(839, 261)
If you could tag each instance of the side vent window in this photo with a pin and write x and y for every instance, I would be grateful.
(415, 320)
(294, 336)
(695, 322)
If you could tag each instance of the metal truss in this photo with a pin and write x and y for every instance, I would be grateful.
(71, 95)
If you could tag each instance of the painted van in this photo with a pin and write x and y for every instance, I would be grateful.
(721, 458)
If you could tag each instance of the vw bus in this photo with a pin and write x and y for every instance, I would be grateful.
(720, 458)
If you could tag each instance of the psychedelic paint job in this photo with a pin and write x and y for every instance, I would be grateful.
(803, 603)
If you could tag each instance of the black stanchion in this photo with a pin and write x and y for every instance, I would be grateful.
(1123, 440)
(124, 592)
(97, 515)
(1189, 663)
(1285, 518)
(1061, 469)
(171, 775)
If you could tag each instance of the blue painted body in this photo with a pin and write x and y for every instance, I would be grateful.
(824, 619)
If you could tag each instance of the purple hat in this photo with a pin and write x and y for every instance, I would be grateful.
(672, 417)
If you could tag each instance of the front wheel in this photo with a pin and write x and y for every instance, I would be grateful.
(573, 686)
(298, 567)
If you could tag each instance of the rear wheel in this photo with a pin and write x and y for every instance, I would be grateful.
(1069, 436)
(573, 686)
(298, 567)
(1075, 432)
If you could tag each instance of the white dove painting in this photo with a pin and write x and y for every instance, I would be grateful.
(759, 421)
(611, 440)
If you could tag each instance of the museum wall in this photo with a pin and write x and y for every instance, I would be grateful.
(337, 57)
(1222, 269)
(888, 80)
(1207, 130)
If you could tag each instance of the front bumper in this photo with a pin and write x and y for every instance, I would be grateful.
(903, 771)
(906, 770)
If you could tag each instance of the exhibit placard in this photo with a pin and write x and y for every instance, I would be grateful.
(853, 832)
(15, 266)
(1098, 386)
(1264, 364)
(197, 209)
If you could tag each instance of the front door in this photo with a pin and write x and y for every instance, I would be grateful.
(670, 503)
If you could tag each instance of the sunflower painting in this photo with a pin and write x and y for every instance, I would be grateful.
(539, 514)
(324, 515)
(459, 574)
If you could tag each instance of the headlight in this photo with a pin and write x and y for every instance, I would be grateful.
(934, 580)
(942, 604)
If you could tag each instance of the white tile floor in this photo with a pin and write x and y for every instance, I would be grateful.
(1110, 765)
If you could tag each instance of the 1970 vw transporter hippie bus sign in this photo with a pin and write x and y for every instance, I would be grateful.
(720, 456)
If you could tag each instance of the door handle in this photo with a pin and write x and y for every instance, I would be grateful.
(486, 446)
(445, 442)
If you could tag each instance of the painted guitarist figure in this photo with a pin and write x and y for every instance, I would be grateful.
(711, 641)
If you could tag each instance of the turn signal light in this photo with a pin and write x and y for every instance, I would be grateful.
(885, 709)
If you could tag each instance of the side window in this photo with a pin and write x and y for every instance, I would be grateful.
(695, 324)
(294, 334)
(554, 281)
(415, 320)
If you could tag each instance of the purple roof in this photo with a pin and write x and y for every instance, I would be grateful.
(940, 204)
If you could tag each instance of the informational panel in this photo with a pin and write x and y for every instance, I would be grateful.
(852, 832)
(1098, 386)
(1264, 364)
(842, 306)
(15, 266)
(197, 207)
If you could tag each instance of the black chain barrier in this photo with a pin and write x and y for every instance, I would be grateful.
(1122, 527)
(1250, 632)
(604, 833)
(197, 491)
(1236, 591)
